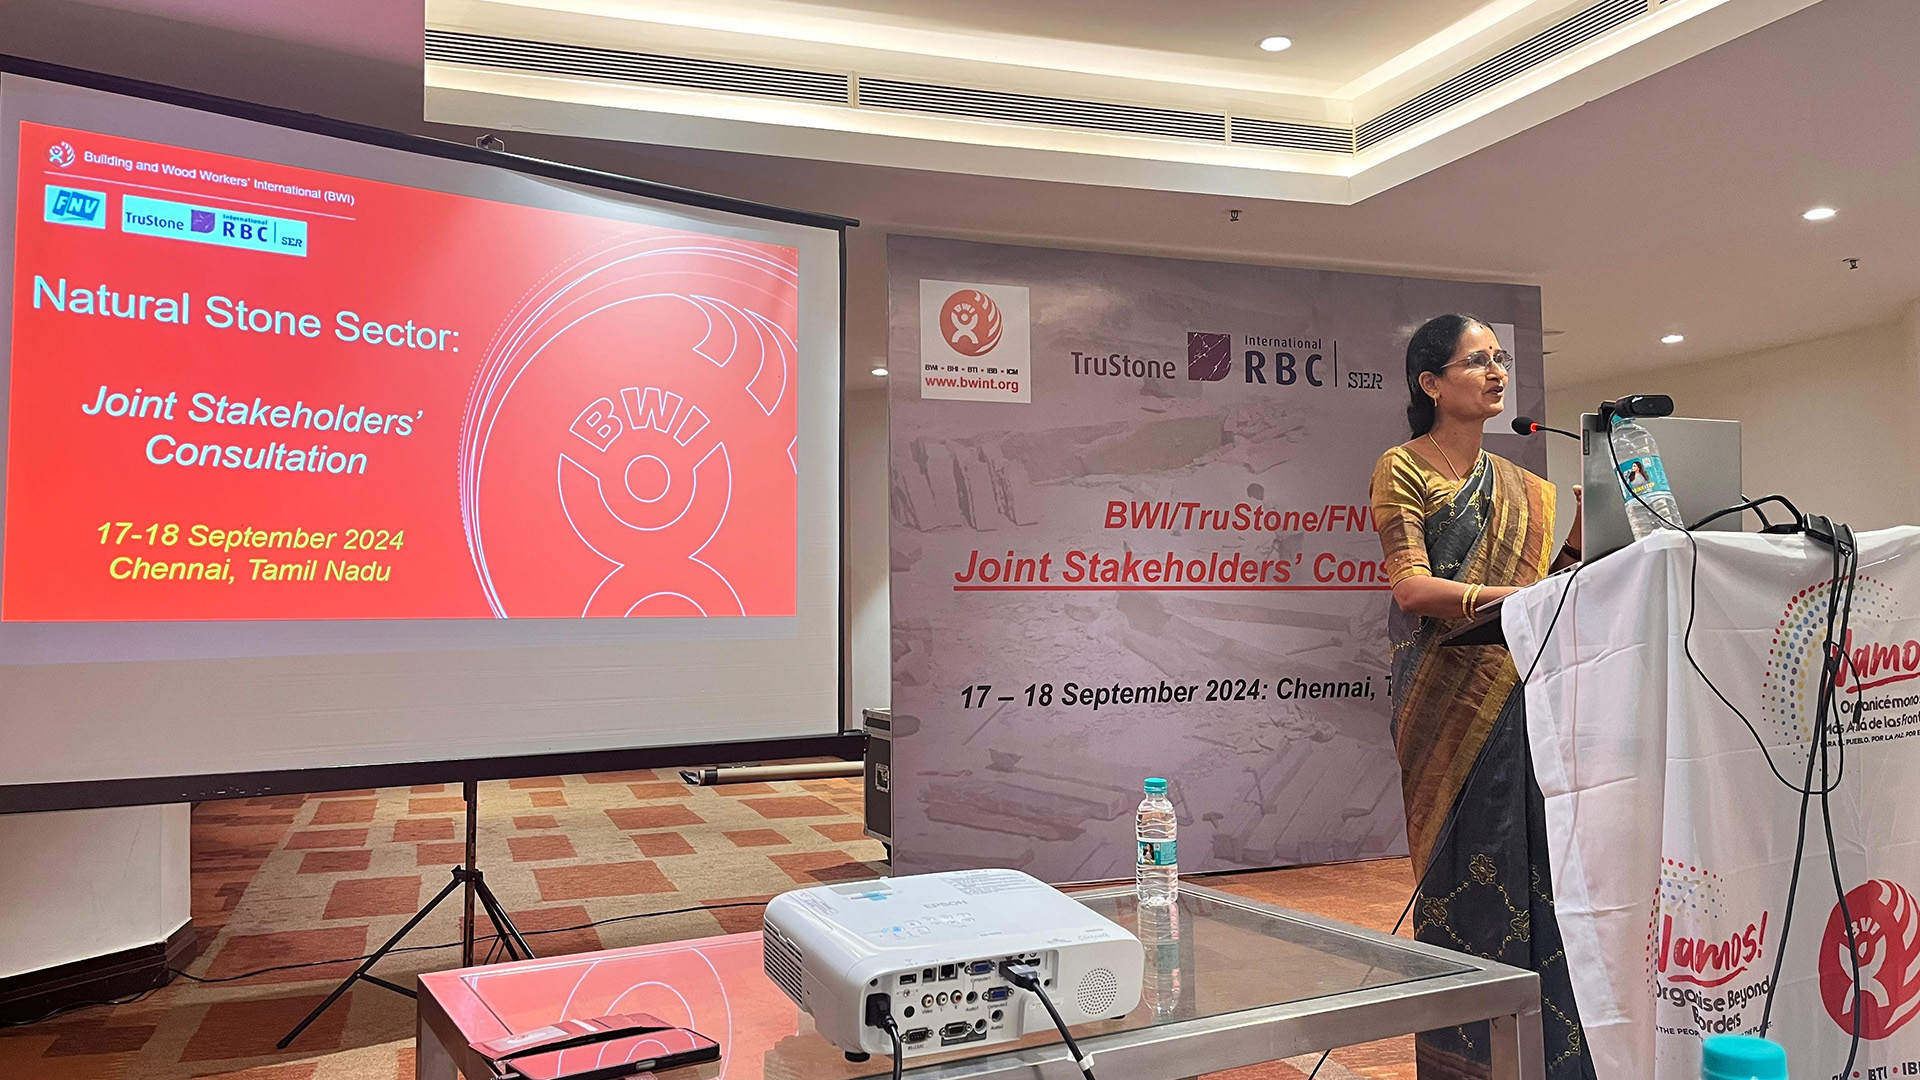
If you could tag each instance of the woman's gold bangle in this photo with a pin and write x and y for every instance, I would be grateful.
(1470, 601)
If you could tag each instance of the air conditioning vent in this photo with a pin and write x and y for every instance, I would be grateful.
(1033, 109)
(782, 962)
(682, 72)
(1536, 50)
(1291, 136)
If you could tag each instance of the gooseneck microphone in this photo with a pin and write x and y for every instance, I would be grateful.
(1524, 425)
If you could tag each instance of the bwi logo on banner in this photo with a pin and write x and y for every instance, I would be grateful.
(976, 342)
(1886, 931)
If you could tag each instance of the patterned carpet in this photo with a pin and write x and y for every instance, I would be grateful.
(296, 879)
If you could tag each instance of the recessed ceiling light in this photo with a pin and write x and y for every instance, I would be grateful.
(1819, 213)
(1673, 339)
(880, 371)
(1276, 44)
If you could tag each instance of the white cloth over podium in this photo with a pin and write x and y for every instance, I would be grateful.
(1671, 841)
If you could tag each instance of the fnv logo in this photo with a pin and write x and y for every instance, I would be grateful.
(970, 321)
(60, 155)
(75, 206)
(1886, 931)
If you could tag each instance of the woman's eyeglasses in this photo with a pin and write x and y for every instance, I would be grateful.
(1477, 363)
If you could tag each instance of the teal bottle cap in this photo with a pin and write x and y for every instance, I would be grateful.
(1156, 786)
(1742, 1057)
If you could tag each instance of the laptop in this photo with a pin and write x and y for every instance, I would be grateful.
(1702, 458)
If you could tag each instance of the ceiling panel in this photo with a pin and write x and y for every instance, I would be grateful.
(1332, 40)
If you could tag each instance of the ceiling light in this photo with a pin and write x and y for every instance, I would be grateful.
(1673, 339)
(880, 371)
(1819, 213)
(1276, 44)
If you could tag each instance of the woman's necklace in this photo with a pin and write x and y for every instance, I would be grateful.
(1443, 456)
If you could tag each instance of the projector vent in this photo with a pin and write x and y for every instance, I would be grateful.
(782, 961)
(1290, 136)
(1033, 109)
(1098, 992)
(1536, 50)
(684, 72)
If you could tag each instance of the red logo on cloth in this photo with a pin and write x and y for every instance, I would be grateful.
(970, 322)
(1886, 928)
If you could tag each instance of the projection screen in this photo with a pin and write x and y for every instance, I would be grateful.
(327, 448)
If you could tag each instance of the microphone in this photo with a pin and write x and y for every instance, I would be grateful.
(1524, 425)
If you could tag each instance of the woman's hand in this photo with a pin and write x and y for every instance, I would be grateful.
(1570, 552)
(1440, 598)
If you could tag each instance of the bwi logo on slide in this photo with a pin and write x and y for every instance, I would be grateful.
(60, 155)
(1886, 930)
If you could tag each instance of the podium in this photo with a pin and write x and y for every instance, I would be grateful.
(1670, 837)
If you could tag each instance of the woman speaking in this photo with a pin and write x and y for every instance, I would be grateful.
(1462, 528)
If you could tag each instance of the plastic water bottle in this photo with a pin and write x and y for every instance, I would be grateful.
(1156, 872)
(1741, 1057)
(1159, 928)
(1643, 480)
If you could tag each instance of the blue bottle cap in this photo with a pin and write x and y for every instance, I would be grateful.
(1156, 786)
(1742, 1057)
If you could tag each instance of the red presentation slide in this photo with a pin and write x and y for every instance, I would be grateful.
(241, 390)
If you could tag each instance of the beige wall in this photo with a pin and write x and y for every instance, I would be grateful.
(87, 883)
(1829, 423)
(868, 622)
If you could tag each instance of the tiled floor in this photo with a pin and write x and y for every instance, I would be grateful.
(297, 879)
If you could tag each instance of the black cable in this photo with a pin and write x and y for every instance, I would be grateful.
(880, 1015)
(76, 1006)
(1027, 977)
(893, 1033)
(455, 944)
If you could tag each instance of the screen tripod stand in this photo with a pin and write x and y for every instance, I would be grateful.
(475, 882)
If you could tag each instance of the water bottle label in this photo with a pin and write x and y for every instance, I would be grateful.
(1157, 853)
(1643, 476)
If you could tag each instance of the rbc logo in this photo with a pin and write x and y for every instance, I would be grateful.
(72, 206)
(201, 221)
(60, 155)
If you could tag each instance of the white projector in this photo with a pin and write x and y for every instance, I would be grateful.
(933, 944)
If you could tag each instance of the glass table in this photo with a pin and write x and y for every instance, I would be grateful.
(1228, 982)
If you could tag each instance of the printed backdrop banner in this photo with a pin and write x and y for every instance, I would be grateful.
(1672, 822)
(1131, 537)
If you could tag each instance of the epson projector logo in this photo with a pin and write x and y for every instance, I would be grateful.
(74, 206)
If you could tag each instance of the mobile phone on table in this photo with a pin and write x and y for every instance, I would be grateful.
(597, 1049)
(653, 1051)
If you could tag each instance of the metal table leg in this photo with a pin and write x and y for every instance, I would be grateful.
(430, 1058)
(1519, 1050)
